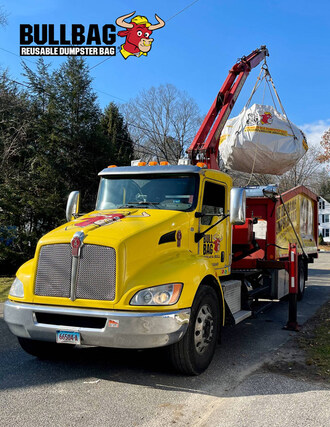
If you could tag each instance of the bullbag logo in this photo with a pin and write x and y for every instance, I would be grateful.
(92, 40)
(138, 31)
(254, 119)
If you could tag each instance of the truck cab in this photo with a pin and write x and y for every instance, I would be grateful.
(142, 270)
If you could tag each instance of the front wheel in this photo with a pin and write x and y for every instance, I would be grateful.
(194, 352)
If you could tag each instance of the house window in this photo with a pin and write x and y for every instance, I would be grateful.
(326, 218)
(327, 232)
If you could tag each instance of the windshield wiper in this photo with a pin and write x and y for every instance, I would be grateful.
(129, 204)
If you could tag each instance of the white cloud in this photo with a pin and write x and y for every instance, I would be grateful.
(315, 130)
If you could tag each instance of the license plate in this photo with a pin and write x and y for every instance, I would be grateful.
(67, 337)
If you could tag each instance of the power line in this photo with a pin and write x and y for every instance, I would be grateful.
(182, 10)
(109, 94)
(15, 54)
(19, 83)
(99, 63)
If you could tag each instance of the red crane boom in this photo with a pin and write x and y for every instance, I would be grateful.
(206, 142)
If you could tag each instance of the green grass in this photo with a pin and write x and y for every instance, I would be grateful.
(5, 284)
(317, 343)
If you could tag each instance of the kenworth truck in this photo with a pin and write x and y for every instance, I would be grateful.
(167, 258)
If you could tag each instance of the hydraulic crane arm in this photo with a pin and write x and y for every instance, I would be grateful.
(206, 141)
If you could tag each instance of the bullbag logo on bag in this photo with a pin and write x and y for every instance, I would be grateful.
(91, 40)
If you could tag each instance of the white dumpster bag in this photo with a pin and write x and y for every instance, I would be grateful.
(261, 140)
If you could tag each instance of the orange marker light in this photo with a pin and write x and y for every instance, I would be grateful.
(112, 166)
(153, 163)
(164, 163)
(201, 165)
(142, 163)
(177, 287)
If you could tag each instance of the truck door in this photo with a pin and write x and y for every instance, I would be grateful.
(214, 243)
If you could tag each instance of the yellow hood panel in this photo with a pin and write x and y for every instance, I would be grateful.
(111, 227)
(134, 234)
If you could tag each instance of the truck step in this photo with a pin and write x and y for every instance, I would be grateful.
(241, 315)
(259, 291)
(261, 306)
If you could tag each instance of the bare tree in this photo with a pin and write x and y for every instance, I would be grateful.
(3, 16)
(322, 184)
(325, 143)
(13, 121)
(305, 172)
(162, 122)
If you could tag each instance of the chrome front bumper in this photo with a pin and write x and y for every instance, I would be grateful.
(122, 329)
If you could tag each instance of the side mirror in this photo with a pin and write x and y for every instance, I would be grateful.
(271, 191)
(72, 206)
(237, 206)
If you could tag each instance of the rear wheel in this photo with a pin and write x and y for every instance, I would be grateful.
(301, 280)
(44, 349)
(194, 352)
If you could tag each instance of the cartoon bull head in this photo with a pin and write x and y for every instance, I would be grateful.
(137, 33)
(266, 118)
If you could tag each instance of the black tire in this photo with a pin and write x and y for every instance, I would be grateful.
(44, 349)
(194, 352)
(301, 280)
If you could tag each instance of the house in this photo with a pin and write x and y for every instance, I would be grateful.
(324, 219)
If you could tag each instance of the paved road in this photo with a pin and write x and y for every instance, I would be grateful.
(103, 387)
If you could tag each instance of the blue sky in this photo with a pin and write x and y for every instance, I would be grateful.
(196, 48)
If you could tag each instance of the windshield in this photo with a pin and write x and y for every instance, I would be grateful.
(171, 192)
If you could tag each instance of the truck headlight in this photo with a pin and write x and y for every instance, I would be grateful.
(17, 289)
(158, 295)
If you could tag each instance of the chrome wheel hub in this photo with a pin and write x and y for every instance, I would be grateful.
(204, 327)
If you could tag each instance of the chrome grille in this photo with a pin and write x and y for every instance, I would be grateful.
(54, 271)
(96, 272)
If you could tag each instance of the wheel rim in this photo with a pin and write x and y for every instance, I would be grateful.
(204, 328)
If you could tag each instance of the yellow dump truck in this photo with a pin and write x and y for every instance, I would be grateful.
(143, 270)
(152, 265)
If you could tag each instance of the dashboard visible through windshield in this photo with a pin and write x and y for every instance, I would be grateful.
(170, 191)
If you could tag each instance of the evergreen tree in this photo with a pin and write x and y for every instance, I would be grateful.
(15, 119)
(68, 130)
(118, 142)
(53, 139)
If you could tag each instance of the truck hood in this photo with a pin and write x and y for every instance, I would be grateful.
(111, 228)
(139, 238)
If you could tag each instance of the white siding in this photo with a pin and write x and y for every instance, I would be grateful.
(324, 219)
